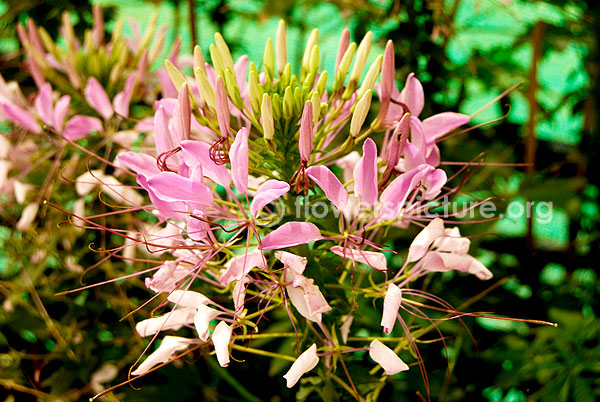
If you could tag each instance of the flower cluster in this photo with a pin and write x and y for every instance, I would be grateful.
(231, 160)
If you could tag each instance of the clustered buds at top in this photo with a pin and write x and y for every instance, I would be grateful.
(223, 152)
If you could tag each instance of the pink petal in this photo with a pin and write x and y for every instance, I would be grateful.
(452, 242)
(306, 132)
(169, 346)
(169, 186)
(196, 228)
(222, 106)
(303, 364)
(173, 210)
(239, 68)
(238, 154)
(373, 259)
(80, 126)
(292, 261)
(196, 152)
(365, 174)
(442, 123)
(166, 85)
(424, 239)
(241, 265)
(413, 157)
(60, 112)
(221, 337)
(97, 98)
(139, 163)
(187, 298)
(43, 104)
(21, 117)
(412, 95)
(172, 320)
(386, 358)
(123, 98)
(432, 183)
(396, 193)
(266, 193)
(315, 301)
(183, 114)
(391, 304)
(291, 234)
(162, 136)
(441, 262)
(329, 183)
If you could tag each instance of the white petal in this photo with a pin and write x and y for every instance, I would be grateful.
(389, 361)
(391, 304)
(187, 298)
(172, 320)
(303, 364)
(421, 243)
(203, 318)
(221, 337)
(169, 346)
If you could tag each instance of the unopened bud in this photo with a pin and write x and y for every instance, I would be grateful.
(344, 66)
(312, 41)
(269, 59)
(344, 42)
(322, 83)
(176, 77)
(254, 91)
(371, 77)
(204, 88)
(361, 57)
(224, 52)
(281, 43)
(216, 59)
(315, 101)
(314, 60)
(288, 105)
(266, 113)
(360, 114)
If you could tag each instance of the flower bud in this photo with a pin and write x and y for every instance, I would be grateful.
(314, 60)
(233, 90)
(344, 42)
(266, 113)
(176, 77)
(306, 132)
(315, 101)
(371, 77)
(254, 91)
(288, 104)
(204, 87)
(224, 52)
(276, 106)
(222, 107)
(361, 57)
(344, 66)
(310, 44)
(216, 59)
(322, 83)
(360, 114)
(281, 44)
(269, 59)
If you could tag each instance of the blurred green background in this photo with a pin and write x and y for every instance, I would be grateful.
(465, 52)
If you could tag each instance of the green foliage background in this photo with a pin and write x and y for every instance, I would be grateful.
(466, 52)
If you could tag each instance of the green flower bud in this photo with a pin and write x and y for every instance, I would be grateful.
(266, 113)
(281, 44)
(360, 114)
(372, 74)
